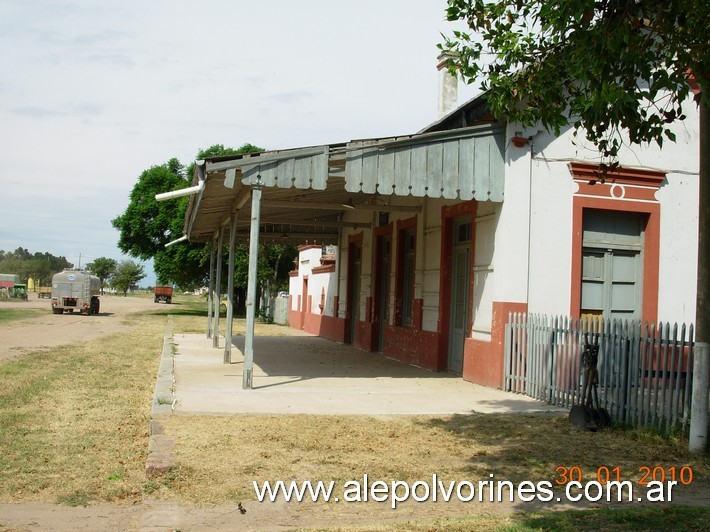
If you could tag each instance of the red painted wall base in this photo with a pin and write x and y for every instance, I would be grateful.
(482, 360)
(320, 325)
(412, 346)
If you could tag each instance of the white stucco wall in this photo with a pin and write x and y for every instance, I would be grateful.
(317, 283)
(678, 265)
(430, 263)
(484, 268)
(307, 259)
(550, 219)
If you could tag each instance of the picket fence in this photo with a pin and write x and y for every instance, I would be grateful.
(645, 370)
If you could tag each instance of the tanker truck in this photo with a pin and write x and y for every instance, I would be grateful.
(75, 290)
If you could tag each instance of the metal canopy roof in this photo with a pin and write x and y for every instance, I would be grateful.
(306, 191)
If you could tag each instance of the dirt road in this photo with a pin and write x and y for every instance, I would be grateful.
(49, 330)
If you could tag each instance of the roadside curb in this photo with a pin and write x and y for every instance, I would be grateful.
(160, 445)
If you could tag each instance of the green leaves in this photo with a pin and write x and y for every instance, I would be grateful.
(147, 225)
(127, 274)
(609, 67)
(40, 266)
(103, 268)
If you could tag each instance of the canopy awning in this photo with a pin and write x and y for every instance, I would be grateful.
(306, 190)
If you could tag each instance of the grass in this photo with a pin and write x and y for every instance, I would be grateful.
(617, 519)
(511, 447)
(74, 416)
(13, 314)
(74, 430)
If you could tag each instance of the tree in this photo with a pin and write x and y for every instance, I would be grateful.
(103, 268)
(40, 266)
(184, 265)
(274, 261)
(147, 225)
(127, 274)
(609, 66)
(44, 265)
(614, 68)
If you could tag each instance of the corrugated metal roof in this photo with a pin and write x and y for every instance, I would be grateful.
(461, 164)
(306, 190)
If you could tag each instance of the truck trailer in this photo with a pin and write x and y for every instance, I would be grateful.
(74, 289)
(163, 294)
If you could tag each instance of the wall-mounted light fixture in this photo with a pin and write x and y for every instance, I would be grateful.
(519, 141)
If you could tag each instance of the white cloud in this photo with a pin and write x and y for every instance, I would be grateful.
(93, 93)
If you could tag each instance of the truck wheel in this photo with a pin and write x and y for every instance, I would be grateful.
(57, 311)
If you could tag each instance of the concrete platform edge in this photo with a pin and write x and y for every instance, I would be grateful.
(160, 445)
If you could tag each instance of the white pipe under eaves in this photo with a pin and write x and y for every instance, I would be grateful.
(182, 192)
(181, 239)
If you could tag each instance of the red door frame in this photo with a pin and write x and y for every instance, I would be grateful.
(448, 216)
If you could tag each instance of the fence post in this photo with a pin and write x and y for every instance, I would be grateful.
(507, 354)
(551, 361)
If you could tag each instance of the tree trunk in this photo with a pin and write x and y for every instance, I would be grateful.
(240, 301)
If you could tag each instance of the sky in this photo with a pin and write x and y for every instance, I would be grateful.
(92, 93)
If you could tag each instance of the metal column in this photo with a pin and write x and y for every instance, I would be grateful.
(210, 294)
(230, 291)
(218, 285)
(251, 286)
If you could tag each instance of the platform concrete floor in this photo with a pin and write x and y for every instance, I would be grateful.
(305, 374)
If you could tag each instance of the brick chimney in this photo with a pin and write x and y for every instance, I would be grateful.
(448, 86)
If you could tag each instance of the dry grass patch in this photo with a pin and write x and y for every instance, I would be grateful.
(74, 418)
(217, 458)
(616, 519)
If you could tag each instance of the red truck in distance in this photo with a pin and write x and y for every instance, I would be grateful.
(163, 294)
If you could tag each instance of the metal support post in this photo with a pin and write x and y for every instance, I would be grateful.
(217, 289)
(230, 291)
(251, 286)
(210, 291)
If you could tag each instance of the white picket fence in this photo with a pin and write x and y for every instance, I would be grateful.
(645, 371)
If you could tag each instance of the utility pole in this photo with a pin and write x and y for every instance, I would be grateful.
(698, 436)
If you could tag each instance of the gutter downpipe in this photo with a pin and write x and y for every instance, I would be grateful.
(202, 178)
(182, 192)
(197, 189)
